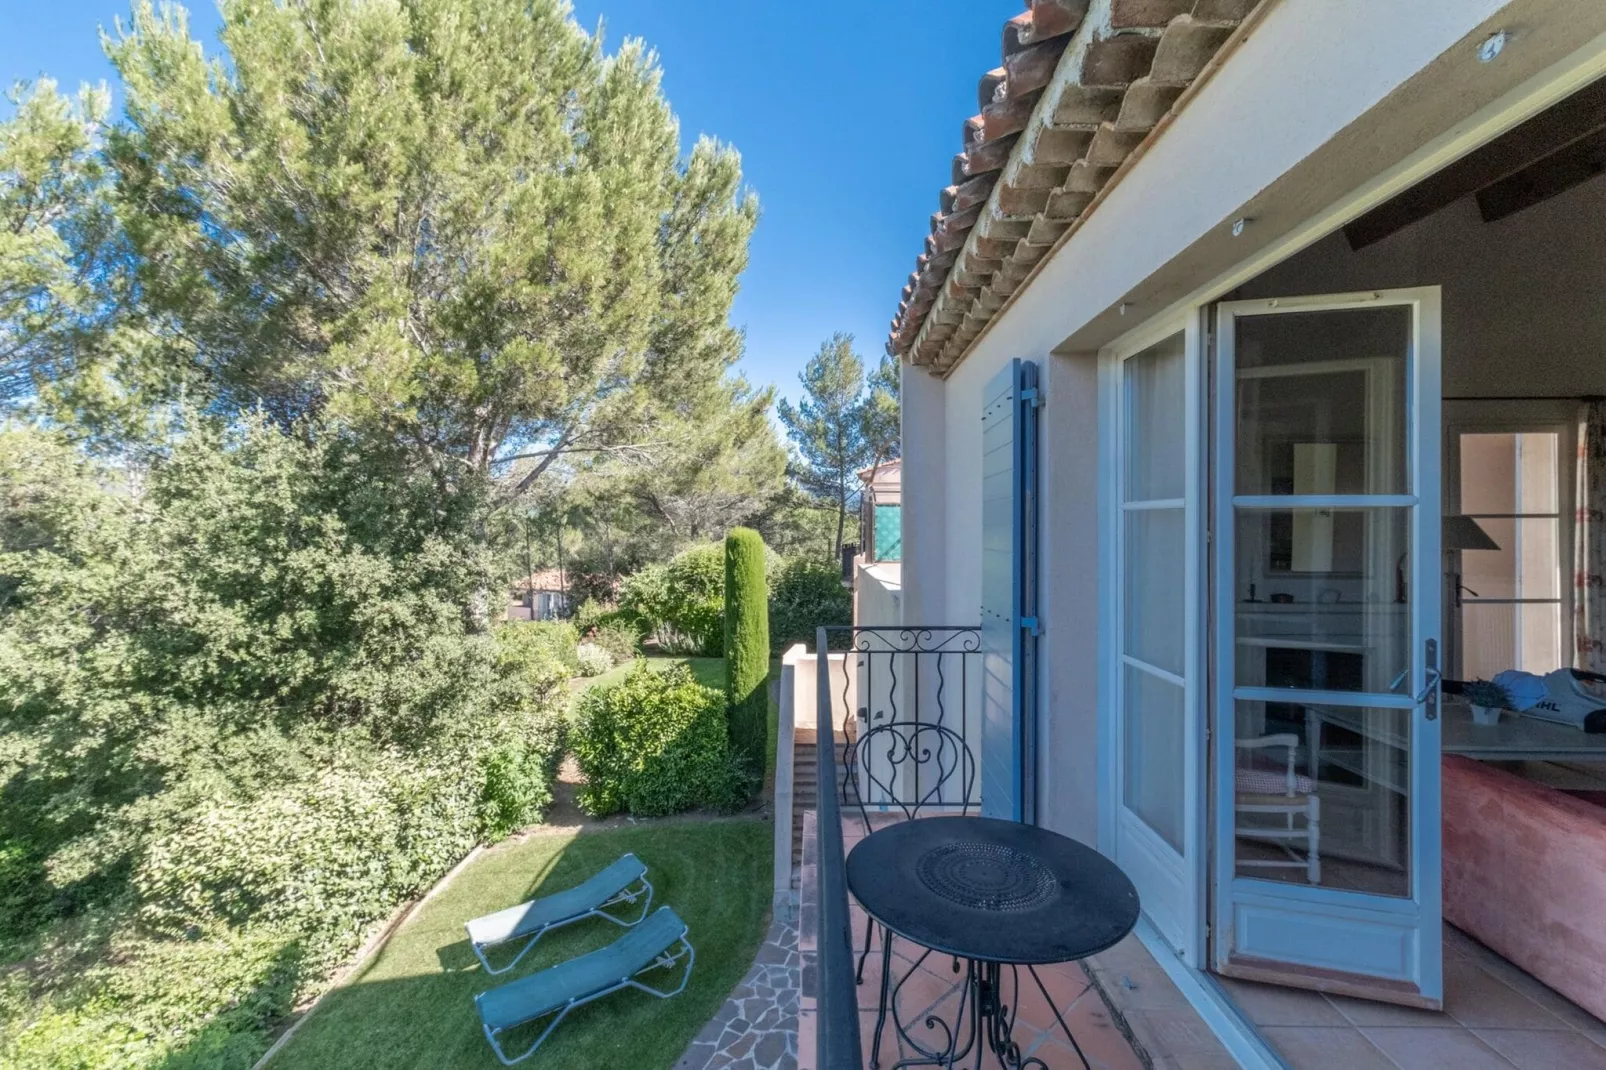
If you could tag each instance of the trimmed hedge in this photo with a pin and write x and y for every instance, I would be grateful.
(654, 744)
(747, 647)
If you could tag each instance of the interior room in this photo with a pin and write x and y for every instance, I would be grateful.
(1514, 235)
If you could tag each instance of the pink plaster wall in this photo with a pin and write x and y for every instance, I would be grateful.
(1525, 873)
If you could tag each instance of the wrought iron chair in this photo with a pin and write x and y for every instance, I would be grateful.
(911, 760)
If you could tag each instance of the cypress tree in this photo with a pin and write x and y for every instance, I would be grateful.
(747, 646)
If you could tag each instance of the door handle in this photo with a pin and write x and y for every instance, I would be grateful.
(1429, 698)
(1434, 676)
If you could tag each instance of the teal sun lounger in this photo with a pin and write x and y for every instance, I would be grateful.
(657, 943)
(621, 884)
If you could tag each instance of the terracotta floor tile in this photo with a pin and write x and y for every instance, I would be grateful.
(1144, 989)
(1064, 989)
(1275, 1005)
(1435, 1049)
(1475, 997)
(1172, 1032)
(1557, 1004)
(1325, 1048)
(1221, 1061)
(1102, 1053)
(1532, 1049)
(1365, 1012)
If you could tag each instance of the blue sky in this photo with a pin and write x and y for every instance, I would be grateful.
(847, 114)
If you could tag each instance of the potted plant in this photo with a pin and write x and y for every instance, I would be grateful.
(1487, 699)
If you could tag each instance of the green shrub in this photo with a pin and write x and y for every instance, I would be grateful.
(695, 610)
(644, 598)
(806, 595)
(325, 855)
(594, 661)
(554, 641)
(747, 647)
(245, 712)
(681, 604)
(589, 613)
(653, 744)
(618, 637)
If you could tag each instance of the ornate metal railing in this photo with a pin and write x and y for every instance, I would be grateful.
(915, 699)
(909, 703)
(837, 1044)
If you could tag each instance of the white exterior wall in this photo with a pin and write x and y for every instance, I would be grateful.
(1307, 72)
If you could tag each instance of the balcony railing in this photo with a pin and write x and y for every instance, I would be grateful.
(908, 705)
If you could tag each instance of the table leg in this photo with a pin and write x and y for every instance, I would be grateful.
(1050, 1001)
(950, 1051)
(881, 1005)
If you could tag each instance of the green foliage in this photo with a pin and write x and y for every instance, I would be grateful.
(594, 661)
(551, 641)
(681, 604)
(695, 606)
(589, 613)
(456, 225)
(828, 428)
(618, 637)
(242, 705)
(807, 594)
(653, 744)
(747, 647)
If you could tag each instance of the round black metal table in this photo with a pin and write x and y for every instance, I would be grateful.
(994, 895)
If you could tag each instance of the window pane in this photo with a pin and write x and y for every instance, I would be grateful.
(1154, 751)
(889, 533)
(1321, 402)
(1323, 598)
(1355, 763)
(1499, 637)
(1510, 473)
(1527, 565)
(1155, 578)
(1155, 422)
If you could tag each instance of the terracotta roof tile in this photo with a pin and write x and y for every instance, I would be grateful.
(1069, 103)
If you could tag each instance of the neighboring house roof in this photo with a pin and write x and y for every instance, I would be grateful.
(890, 472)
(547, 579)
(1077, 95)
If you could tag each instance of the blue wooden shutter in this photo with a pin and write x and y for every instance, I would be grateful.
(1009, 593)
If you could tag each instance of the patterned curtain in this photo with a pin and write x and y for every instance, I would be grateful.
(1589, 540)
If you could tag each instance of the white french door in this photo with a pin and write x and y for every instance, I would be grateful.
(1154, 528)
(1327, 605)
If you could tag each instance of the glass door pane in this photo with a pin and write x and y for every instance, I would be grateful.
(1506, 553)
(1328, 571)
(1324, 602)
(1154, 553)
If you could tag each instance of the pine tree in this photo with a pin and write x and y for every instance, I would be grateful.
(827, 426)
(457, 225)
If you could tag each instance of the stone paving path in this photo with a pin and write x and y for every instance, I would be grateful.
(756, 1029)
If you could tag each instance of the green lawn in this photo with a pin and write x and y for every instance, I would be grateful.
(412, 1006)
(709, 672)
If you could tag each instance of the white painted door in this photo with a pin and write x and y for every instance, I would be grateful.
(1327, 603)
(1154, 530)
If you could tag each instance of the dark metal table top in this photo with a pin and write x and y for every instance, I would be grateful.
(994, 891)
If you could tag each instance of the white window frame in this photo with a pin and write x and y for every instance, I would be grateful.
(1122, 835)
(1500, 416)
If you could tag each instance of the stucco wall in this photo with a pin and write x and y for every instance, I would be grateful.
(1308, 72)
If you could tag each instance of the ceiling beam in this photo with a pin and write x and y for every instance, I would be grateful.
(1565, 123)
(1556, 173)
